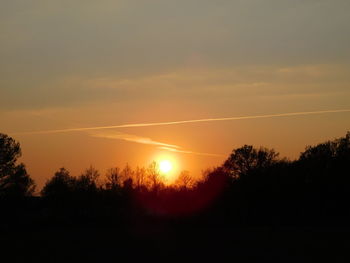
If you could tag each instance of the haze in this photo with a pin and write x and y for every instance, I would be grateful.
(71, 64)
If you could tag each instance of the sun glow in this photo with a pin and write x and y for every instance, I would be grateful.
(165, 166)
(168, 166)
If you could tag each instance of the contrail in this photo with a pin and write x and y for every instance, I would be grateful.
(135, 125)
(190, 152)
(149, 141)
(133, 138)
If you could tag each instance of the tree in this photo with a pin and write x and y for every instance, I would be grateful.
(140, 177)
(60, 185)
(184, 180)
(247, 158)
(327, 159)
(154, 177)
(113, 179)
(339, 148)
(343, 149)
(127, 173)
(87, 182)
(14, 179)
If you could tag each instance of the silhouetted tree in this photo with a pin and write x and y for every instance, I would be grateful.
(140, 177)
(185, 181)
(331, 157)
(60, 185)
(87, 182)
(253, 186)
(127, 173)
(14, 179)
(128, 185)
(113, 179)
(247, 158)
(154, 176)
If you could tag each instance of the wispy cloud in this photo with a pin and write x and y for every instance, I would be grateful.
(149, 124)
(190, 152)
(133, 138)
(149, 141)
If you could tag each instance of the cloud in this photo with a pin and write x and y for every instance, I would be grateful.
(133, 138)
(149, 141)
(150, 124)
(195, 83)
(190, 152)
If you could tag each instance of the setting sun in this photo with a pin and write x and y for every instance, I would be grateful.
(169, 166)
(165, 166)
(174, 130)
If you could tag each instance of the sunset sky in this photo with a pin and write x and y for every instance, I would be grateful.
(80, 64)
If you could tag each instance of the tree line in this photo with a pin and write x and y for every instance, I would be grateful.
(252, 186)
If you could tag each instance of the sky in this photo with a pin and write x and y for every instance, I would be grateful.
(78, 64)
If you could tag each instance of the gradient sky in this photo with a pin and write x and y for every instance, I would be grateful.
(70, 64)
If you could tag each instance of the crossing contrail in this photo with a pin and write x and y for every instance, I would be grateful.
(150, 124)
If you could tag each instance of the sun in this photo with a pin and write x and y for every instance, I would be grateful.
(168, 166)
(165, 166)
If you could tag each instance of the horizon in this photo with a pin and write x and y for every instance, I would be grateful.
(175, 130)
(168, 166)
(116, 82)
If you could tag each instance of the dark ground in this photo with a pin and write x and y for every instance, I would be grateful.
(174, 242)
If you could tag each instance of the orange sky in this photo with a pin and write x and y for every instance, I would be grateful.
(73, 64)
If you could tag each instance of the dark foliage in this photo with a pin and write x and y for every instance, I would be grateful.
(253, 189)
(14, 180)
